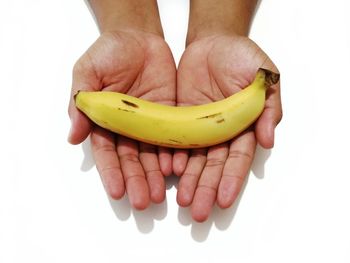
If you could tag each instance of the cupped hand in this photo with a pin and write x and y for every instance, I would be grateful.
(139, 64)
(211, 69)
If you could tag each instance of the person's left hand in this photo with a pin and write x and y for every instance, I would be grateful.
(211, 69)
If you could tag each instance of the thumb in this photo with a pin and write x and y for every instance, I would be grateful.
(84, 78)
(269, 119)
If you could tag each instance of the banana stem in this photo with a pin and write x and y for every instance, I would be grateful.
(271, 78)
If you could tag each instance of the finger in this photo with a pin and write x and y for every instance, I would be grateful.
(180, 160)
(80, 126)
(165, 158)
(236, 168)
(134, 175)
(205, 195)
(149, 160)
(84, 78)
(188, 181)
(271, 116)
(107, 162)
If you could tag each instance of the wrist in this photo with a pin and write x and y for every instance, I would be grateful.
(229, 17)
(195, 34)
(116, 15)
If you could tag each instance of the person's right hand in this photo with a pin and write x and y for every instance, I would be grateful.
(139, 64)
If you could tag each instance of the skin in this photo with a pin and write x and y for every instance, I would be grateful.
(131, 57)
(220, 60)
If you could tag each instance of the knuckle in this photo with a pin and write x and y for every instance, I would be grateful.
(199, 157)
(190, 175)
(109, 169)
(133, 178)
(240, 154)
(206, 187)
(153, 173)
(235, 176)
(214, 162)
(129, 158)
(103, 148)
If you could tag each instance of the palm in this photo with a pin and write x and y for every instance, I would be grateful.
(210, 70)
(139, 64)
(215, 68)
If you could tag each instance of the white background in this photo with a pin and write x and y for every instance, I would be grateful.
(295, 204)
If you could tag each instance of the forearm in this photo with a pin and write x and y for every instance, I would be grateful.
(212, 17)
(114, 15)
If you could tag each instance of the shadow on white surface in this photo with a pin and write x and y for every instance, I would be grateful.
(145, 220)
(221, 218)
(260, 158)
(257, 7)
(88, 162)
(171, 181)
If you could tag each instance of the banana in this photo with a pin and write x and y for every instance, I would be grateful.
(178, 127)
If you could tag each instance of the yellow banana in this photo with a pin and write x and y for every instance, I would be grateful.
(178, 127)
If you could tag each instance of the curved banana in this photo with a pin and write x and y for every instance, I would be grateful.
(178, 127)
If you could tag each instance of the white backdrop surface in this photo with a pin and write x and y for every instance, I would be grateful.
(295, 203)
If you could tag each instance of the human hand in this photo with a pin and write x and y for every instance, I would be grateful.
(211, 69)
(139, 64)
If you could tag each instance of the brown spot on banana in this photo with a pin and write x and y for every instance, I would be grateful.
(210, 116)
(220, 121)
(175, 141)
(131, 104)
(126, 110)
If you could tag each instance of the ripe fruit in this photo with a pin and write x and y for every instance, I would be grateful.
(178, 127)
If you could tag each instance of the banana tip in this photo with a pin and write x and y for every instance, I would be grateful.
(75, 95)
(271, 78)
